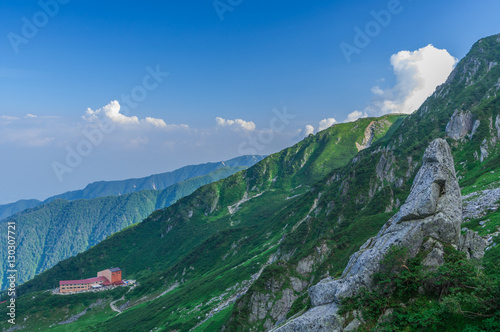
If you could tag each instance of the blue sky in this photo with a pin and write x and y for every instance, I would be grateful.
(261, 56)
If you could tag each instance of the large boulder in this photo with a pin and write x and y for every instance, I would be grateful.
(432, 211)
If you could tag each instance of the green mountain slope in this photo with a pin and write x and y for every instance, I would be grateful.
(113, 188)
(359, 198)
(239, 210)
(60, 229)
(240, 254)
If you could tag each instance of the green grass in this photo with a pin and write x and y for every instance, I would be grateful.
(43, 310)
(490, 223)
(216, 322)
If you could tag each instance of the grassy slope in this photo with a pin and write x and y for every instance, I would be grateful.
(60, 229)
(170, 246)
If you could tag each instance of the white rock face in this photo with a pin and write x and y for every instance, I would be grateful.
(433, 209)
(460, 124)
(369, 135)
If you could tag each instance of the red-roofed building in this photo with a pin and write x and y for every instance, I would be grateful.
(113, 275)
(104, 278)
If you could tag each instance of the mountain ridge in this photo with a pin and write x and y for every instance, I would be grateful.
(60, 229)
(119, 187)
(240, 254)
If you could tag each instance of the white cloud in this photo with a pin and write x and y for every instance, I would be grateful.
(34, 116)
(112, 112)
(326, 123)
(144, 144)
(131, 132)
(418, 73)
(308, 130)
(322, 125)
(235, 124)
(353, 116)
(155, 122)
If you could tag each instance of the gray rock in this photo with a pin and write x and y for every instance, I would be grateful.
(297, 284)
(260, 305)
(353, 326)
(472, 244)
(319, 319)
(283, 305)
(477, 204)
(484, 150)
(460, 124)
(305, 265)
(434, 259)
(433, 209)
(384, 167)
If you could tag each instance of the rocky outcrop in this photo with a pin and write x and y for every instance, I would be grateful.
(460, 125)
(384, 169)
(435, 256)
(477, 204)
(320, 318)
(472, 244)
(430, 217)
(484, 150)
(368, 139)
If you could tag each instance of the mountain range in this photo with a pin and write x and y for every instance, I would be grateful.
(121, 187)
(252, 252)
(67, 224)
